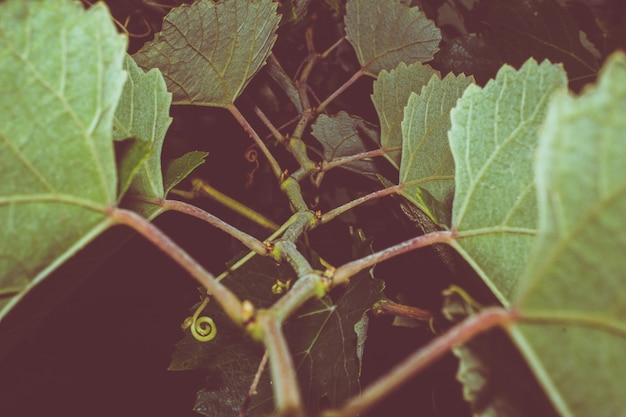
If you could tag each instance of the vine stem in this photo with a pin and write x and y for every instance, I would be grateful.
(232, 204)
(322, 106)
(257, 139)
(250, 242)
(343, 273)
(327, 166)
(253, 386)
(426, 356)
(330, 215)
(285, 382)
(229, 301)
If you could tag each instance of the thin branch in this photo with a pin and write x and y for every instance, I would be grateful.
(332, 48)
(229, 301)
(268, 123)
(326, 217)
(424, 357)
(255, 383)
(259, 142)
(340, 90)
(388, 307)
(327, 166)
(284, 381)
(251, 242)
(344, 272)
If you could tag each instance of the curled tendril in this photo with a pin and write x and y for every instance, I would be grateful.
(251, 155)
(202, 328)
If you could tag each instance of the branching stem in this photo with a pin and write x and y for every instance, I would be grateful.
(343, 273)
(326, 217)
(418, 361)
(285, 383)
(327, 166)
(229, 301)
(322, 106)
(174, 205)
(257, 140)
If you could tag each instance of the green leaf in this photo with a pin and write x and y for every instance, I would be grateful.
(493, 139)
(143, 114)
(60, 79)
(391, 94)
(325, 342)
(284, 82)
(179, 168)
(341, 135)
(541, 29)
(427, 167)
(575, 284)
(208, 52)
(385, 33)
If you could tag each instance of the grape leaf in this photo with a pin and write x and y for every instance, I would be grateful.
(178, 169)
(143, 114)
(427, 167)
(385, 33)
(324, 342)
(575, 283)
(284, 82)
(341, 135)
(493, 139)
(208, 52)
(60, 79)
(391, 94)
(543, 30)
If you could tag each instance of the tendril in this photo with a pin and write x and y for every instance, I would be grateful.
(202, 328)
(251, 155)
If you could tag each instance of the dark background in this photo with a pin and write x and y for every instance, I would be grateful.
(103, 349)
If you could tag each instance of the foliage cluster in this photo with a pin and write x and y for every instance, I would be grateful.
(489, 131)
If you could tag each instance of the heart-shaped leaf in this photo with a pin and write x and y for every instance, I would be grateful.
(493, 140)
(208, 51)
(385, 33)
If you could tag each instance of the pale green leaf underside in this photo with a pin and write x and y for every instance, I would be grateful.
(60, 79)
(391, 94)
(343, 135)
(179, 168)
(208, 52)
(143, 114)
(385, 33)
(493, 139)
(427, 166)
(575, 278)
